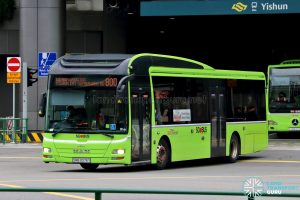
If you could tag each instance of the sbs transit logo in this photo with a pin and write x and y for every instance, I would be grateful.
(239, 7)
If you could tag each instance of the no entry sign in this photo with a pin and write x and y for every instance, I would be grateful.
(13, 64)
(13, 70)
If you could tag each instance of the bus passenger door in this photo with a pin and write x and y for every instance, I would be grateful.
(218, 118)
(140, 136)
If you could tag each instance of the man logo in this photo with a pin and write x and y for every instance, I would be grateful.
(295, 122)
(239, 7)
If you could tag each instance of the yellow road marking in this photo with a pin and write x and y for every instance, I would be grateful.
(12, 186)
(51, 193)
(69, 195)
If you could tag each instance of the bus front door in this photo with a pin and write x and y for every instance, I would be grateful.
(140, 137)
(218, 119)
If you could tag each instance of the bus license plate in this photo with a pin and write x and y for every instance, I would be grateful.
(81, 160)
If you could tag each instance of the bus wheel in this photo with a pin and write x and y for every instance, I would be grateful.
(163, 155)
(89, 166)
(234, 149)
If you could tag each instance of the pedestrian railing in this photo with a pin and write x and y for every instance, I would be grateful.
(13, 130)
(98, 192)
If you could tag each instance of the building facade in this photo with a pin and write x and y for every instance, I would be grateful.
(74, 26)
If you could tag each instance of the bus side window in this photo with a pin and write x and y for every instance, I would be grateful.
(251, 113)
(239, 113)
(165, 116)
(157, 117)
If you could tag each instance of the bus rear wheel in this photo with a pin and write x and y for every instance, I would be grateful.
(234, 149)
(89, 166)
(163, 155)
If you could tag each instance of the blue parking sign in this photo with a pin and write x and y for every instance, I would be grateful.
(45, 60)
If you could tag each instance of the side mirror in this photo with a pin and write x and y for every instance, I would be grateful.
(121, 88)
(120, 92)
(42, 106)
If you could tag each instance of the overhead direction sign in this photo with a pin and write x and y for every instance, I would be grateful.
(13, 70)
(45, 60)
(217, 7)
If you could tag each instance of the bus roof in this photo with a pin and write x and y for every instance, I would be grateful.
(120, 64)
(286, 63)
(222, 74)
(91, 64)
(290, 62)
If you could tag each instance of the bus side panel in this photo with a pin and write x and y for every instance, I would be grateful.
(232, 127)
(254, 136)
(187, 142)
(261, 137)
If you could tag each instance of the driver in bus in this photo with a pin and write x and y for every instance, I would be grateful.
(281, 97)
(77, 116)
(72, 113)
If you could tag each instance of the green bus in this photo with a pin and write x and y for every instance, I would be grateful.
(284, 97)
(150, 109)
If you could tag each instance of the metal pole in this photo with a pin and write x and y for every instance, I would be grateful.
(97, 195)
(14, 111)
(3, 132)
(24, 123)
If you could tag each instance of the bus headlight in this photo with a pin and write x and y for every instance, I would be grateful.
(47, 150)
(272, 122)
(118, 151)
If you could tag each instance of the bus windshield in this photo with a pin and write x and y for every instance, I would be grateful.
(85, 103)
(284, 90)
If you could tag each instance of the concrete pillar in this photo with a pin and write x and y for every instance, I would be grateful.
(42, 29)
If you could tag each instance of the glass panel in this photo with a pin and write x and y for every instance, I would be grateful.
(284, 93)
(246, 100)
(173, 105)
(85, 103)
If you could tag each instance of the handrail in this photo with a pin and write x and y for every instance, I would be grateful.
(13, 128)
(98, 192)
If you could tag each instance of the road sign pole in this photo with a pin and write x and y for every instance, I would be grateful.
(14, 76)
(24, 77)
(14, 111)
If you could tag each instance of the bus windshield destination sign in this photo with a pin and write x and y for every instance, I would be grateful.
(85, 82)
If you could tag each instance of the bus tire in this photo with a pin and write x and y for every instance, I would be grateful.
(163, 155)
(89, 166)
(234, 150)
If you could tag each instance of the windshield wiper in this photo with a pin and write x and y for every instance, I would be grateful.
(59, 130)
(108, 135)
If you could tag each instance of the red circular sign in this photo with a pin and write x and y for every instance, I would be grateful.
(13, 64)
